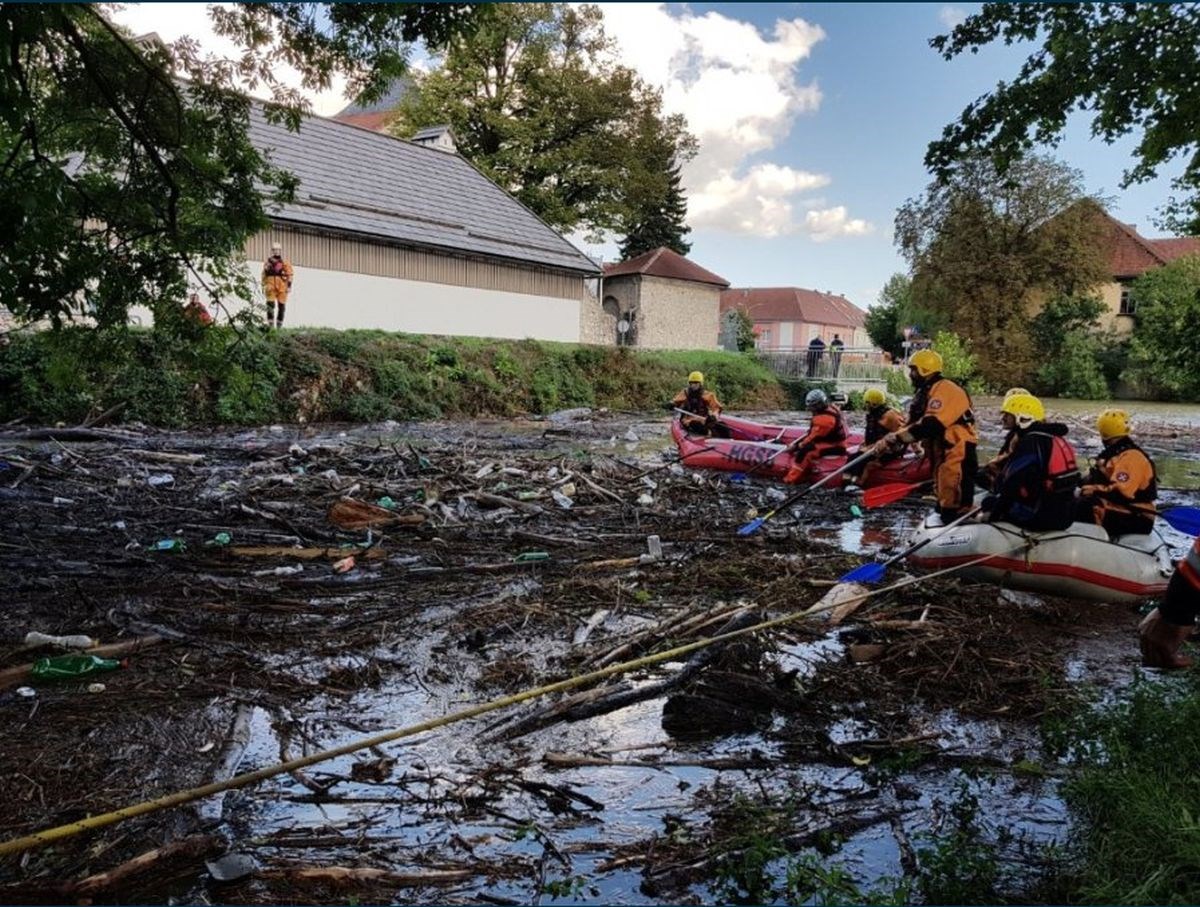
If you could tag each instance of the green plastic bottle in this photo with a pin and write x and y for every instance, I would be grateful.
(530, 557)
(71, 667)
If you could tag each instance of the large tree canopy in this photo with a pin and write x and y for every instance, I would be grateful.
(125, 168)
(985, 247)
(1131, 66)
(538, 101)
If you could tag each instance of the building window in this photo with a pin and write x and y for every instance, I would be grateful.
(1128, 306)
(762, 338)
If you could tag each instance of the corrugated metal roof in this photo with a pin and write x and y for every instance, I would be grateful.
(664, 262)
(357, 181)
(793, 304)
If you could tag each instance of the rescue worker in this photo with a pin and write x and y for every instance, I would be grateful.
(1121, 488)
(702, 406)
(277, 284)
(196, 311)
(826, 436)
(941, 418)
(992, 468)
(881, 420)
(1036, 486)
(1163, 630)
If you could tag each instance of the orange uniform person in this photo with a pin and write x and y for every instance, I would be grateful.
(826, 436)
(1165, 628)
(942, 420)
(277, 276)
(881, 420)
(1120, 490)
(702, 406)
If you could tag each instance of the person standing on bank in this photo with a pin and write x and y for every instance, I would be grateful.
(277, 276)
(816, 352)
(835, 354)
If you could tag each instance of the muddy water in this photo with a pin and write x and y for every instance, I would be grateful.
(431, 807)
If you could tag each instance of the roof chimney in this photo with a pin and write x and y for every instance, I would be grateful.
(439, 137)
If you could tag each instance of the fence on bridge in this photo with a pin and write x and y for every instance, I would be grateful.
(851, 364)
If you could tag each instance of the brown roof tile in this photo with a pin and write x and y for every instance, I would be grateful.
(794, 304)
(1176, 246)
(375, 120)
(663, 262)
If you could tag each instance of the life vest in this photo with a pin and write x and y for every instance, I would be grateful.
(874, 429)
(696, 404)
(274, 267)
(1062, 472)
(1145, 495)
(838, 435)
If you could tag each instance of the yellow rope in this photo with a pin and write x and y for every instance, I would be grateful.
(48, 836)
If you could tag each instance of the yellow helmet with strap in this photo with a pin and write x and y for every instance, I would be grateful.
(697, 377)
(926, 362)
(1113, 423)
(873, 396)
(1025, 408)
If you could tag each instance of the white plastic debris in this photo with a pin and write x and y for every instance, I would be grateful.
(163, 478)
(280, 571)
(76, 641)
(96, 688)
(631, 435)
(297, 451)
(58, 500)
(275, 429)
(26, 692)
(119, 524)
(654, 546)
(645, 500)
(562, 500)
(330, 474)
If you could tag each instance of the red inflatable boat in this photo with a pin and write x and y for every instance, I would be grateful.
(745, 430)
(734, 455)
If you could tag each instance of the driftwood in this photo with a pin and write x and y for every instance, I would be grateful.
(212, 809)
(11, 676)
(304, 554)
(77, 433)
(345, 875)
(194, 848)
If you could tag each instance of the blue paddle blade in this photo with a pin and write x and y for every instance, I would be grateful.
(752, 527)
(738, 477)
(1184, 519)
(867, 573)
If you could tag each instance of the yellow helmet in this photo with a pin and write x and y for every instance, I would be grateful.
(926, 362)
(1013, 391)
(873, 396)
(1113, 423)
(696, 376)
(1025, 408)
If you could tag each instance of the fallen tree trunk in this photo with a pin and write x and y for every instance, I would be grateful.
(345, 875)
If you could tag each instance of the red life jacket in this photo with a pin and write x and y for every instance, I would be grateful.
(274, 267)
(1062, 472)
(838, 435)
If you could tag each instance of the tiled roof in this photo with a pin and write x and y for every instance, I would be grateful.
(793, 304)
(366, 183)
(376, 121)
(1131, 254)
(664, 262)
(1176, 247)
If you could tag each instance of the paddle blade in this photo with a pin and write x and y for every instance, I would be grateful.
(752, 527)
(867, 573)
(882, 495)
(1185, 519)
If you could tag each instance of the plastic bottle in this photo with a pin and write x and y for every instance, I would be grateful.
(71, 667)
(529, 557)
(386, 503)
(220, 540)
(78, 641)
(169, 545)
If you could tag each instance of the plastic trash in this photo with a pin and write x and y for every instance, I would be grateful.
(71, 667)
(286, 571)
(345, 565)
(631, 436)
(26, 692)
(330, 474)
(96, 688)
(164, 478)
(530, 557)
(528, 495)
(297, 451)
(169, 545)
(386, 503)
(856, 510)
(562, 500)
(77, 641)
(645, 500)
(221, 539)
(119, 524)
(654, 546)
(58, 500)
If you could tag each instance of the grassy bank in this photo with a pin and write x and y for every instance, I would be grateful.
(216, 377)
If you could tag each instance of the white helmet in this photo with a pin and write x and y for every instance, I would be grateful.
(816, 399)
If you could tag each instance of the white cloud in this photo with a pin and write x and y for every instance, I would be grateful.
(952, 16)
(832, 222)
(174, 20)
(741, 93)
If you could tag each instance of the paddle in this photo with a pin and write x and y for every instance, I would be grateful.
(754, 525)
(1183, 519)
(882, 495)
(874, 572)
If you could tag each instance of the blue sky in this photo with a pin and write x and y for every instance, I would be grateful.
(884, 94)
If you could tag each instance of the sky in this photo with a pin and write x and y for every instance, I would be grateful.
(813, 119)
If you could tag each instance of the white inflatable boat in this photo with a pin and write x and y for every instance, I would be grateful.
(1078, 562)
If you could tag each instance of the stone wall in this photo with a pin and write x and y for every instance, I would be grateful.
(596, 326)
(677, 314)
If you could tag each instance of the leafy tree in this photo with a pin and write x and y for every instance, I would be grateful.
(958, 360)
(896, 310)
(983, 247)
(656, 209)
(1166, 340)
(1070, 349)
(746, 338)
(538, 102)
(127, 167)
(1131, 65)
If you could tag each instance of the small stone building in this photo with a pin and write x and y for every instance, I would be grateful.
(658, 300)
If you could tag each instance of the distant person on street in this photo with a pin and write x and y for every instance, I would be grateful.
(826, 436)
(816, 351)
(702, 408)
(835, 354)
(277, 276)
(1122, 486)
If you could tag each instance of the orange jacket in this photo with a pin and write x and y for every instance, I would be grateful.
(945, 416)
(277, 279)
(826, 430)
(707, 405)
(1123, 477)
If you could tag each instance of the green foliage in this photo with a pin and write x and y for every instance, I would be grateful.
(221, 376)
(959, 865)
(1071, 350)
(127, 172)
(1131, 65)
(898, 384)
(539, 103)
(1166, 338)
(897, 309)
(982, 246)
(746, 339)
(797, 389)
(1132, 792)
(959, 361)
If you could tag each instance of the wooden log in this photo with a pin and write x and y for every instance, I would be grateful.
(358, 875)
(193, 847)
(12, 676)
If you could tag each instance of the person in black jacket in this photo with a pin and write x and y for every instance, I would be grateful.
(1036, 486)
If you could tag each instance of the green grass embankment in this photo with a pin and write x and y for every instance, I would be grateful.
(217, 377)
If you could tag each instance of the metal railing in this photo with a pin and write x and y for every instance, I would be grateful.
(850, 364)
